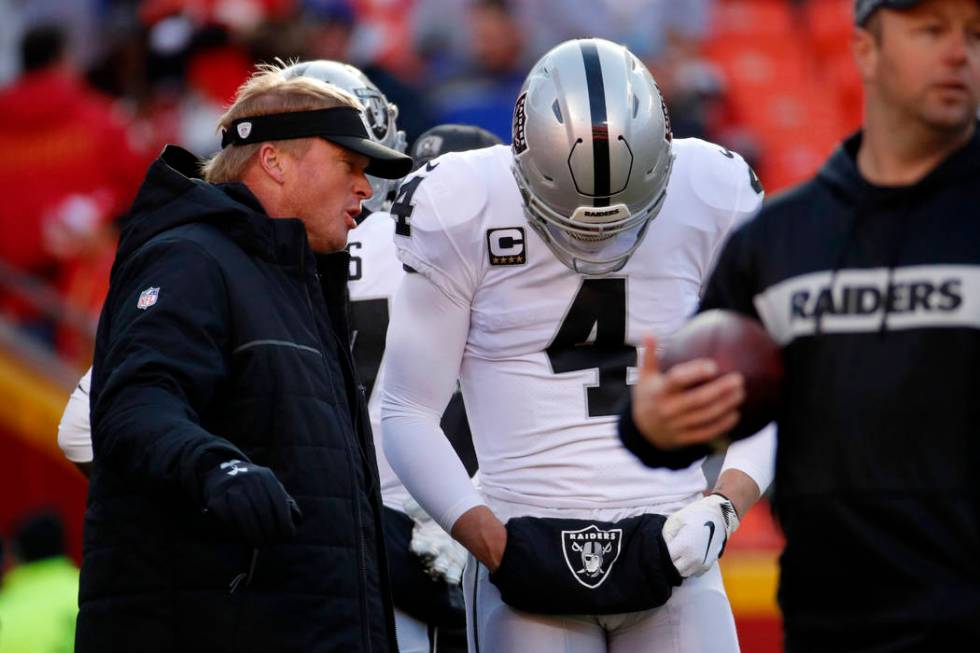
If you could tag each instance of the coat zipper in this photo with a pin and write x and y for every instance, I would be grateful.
(355, 503)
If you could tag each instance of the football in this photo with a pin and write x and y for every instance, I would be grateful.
(737, 344)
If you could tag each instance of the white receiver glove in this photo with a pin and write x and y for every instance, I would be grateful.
(443, 556)
(697, 533)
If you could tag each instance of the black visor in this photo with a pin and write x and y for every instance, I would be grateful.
(340, 125)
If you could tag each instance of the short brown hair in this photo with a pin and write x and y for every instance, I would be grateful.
(267, 92)
(874, 27)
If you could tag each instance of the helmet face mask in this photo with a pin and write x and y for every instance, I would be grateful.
(595, 249)
(379, 116)
(592, 153)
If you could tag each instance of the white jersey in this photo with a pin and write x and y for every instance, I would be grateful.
(375, 273)
(549, 353)
(74, 432)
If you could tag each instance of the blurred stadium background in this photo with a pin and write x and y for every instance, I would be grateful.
(771, 79)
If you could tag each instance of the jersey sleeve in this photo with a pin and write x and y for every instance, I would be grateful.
(726, 183)
(755, 456)
(437, 225)
(424, 349)
(74, 432)
(727, 188)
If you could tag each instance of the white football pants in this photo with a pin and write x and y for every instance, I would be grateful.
(412, 634)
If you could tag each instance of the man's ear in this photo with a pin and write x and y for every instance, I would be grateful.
(273, 162)
(864, 45)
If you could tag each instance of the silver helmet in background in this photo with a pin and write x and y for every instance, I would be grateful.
(592, 152)
(379, 115)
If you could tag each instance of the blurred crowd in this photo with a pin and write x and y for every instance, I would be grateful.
(91, 89)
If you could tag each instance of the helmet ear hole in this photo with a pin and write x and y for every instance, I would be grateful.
(556, 109)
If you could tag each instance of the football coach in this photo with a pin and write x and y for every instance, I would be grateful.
(868, 275)
(234, 503)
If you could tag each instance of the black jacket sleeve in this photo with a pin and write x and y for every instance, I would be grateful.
(157, 368)
(735, 278)
(651, 455)
(730, 287)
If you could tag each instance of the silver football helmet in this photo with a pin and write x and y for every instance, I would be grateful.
(379, 115)
(592, 153)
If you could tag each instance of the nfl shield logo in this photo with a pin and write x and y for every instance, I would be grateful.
(148, 298)
(591, 552)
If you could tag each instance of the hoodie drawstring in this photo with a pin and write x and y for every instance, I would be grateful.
(894, 257)
(850, 236)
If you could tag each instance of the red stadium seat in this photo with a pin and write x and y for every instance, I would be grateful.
(789, 80)
(830, 24)
(749, 20)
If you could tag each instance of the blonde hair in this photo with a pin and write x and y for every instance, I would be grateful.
(267, 92)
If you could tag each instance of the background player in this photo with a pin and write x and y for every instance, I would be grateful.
(535, 294)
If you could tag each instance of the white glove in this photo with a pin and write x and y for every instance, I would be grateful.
(697, 533)
(444, 557)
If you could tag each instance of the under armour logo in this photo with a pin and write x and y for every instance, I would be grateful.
(235, 466)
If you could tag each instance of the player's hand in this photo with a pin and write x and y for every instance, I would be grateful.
(688, 404)
(696, 534)
(250, 500)
(443, 557)
(485, 536)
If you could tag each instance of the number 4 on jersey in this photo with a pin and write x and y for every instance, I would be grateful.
(593, 336)
(402, 208)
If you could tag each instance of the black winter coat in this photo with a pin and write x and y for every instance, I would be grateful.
(217, 341)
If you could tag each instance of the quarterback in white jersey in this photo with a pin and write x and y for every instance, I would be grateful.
(543, 337)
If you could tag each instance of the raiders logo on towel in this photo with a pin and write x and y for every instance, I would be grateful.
(543, 555)
(591, 552)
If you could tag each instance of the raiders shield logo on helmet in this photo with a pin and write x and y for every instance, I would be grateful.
(591, 553)
(375, 110)
(517, 128)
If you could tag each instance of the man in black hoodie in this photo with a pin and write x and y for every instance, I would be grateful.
(234, 503)
(869, 277)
